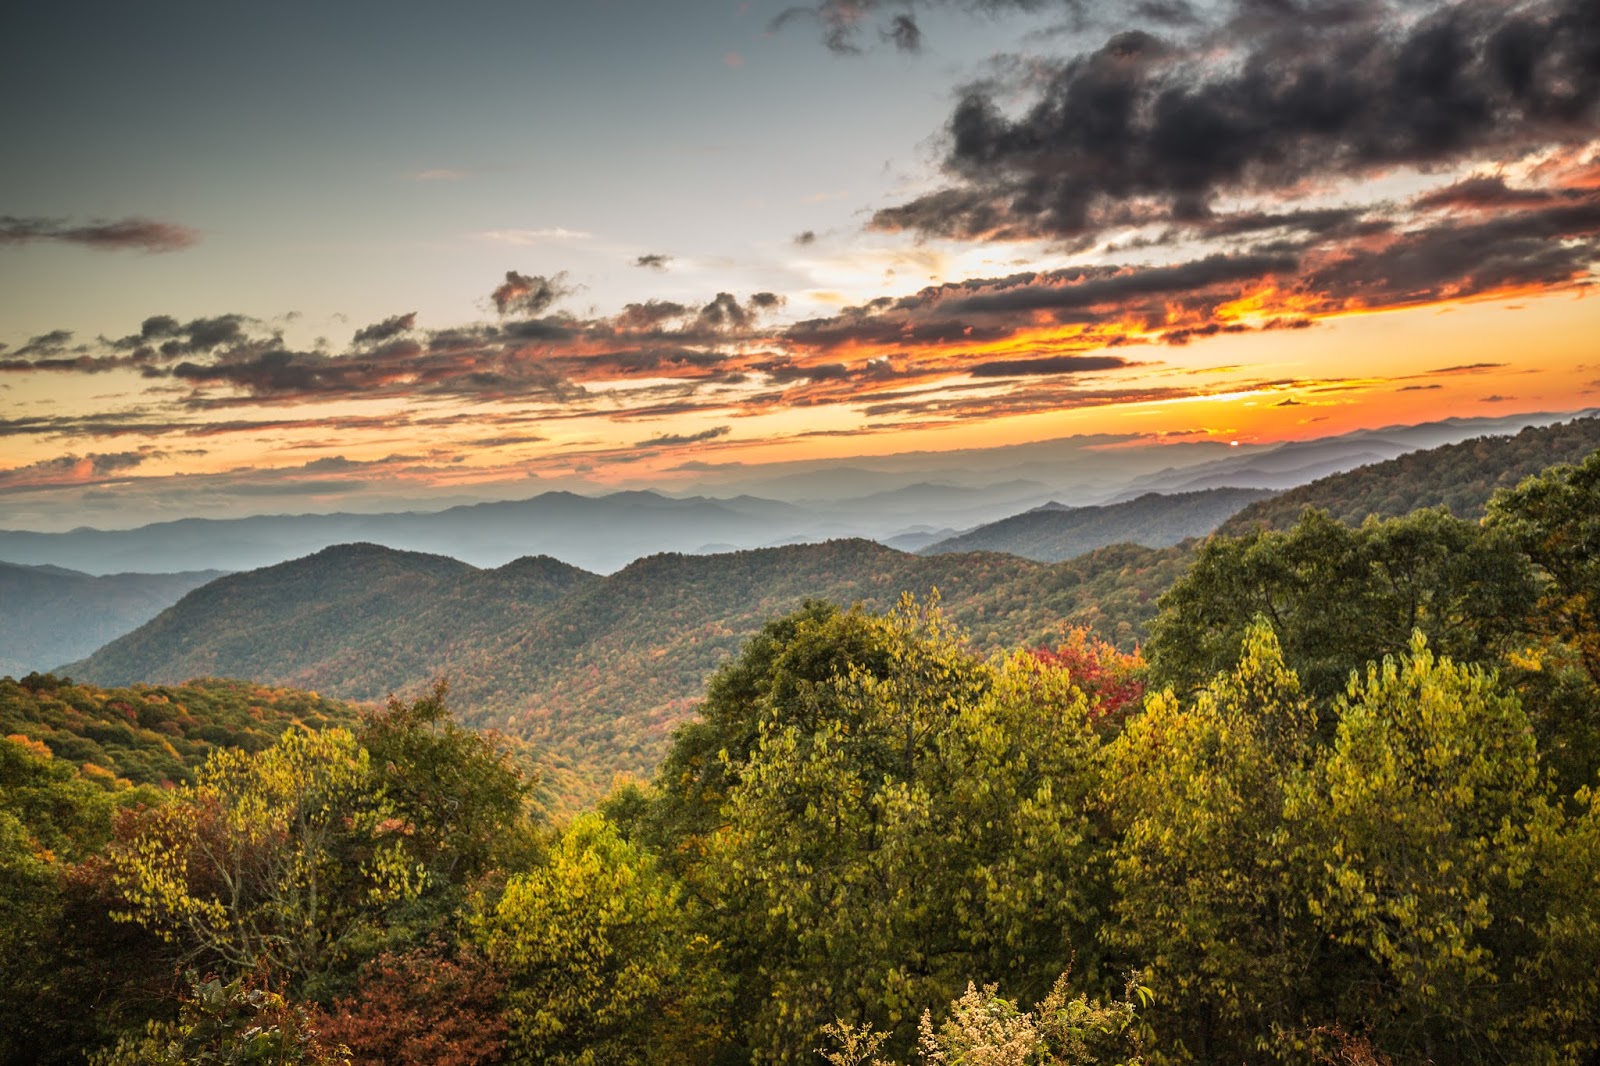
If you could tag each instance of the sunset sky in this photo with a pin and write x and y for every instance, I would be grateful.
(259, 258)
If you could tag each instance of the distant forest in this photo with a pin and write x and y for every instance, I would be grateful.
(1339, 806)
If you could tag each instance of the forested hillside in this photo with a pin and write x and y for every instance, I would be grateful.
(155, 734)
(594, 670)
(1460, 477)
(1342, 811)
(54, 615)
(1053, 533)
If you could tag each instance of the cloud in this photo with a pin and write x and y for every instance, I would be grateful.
(805, 237)
(1061, 364)
(71, 470)
(387, 329)
(1151, 128)
(843, 22)
(653, 261)
(528, 294)
(904, 33)
(673, 439)
(136, 234)
(535, 236)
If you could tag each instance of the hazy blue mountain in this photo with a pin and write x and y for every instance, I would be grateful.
(1052, 533)
(1298, 462)
(53, 615)
(1461, 477)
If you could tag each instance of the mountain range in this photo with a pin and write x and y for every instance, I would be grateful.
(910, 501)
(1055, 532)
(594, 669)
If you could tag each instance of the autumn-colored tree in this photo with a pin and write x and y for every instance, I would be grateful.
(426, 1007)
(1112, 679)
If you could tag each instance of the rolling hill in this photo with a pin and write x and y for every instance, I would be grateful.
(1052, 533)
(594, 670)
(53, 615)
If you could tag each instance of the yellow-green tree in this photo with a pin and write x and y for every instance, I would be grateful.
(1421, 826)
(1208, 897)
(915, 820)
(277, 859)
(600, 965)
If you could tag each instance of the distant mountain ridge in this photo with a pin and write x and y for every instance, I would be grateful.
(606, 532)
(1460, 476)
(53, 614)
(1055, 532)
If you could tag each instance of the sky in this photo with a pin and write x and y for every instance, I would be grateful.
(290, 257)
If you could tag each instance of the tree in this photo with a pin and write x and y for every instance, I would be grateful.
(278, 859)
(1421, 823)
(911, 820)
(1208, 896)
(426, 1007)
(238, 1023)
(1555, 518)
(599, 963)
(1339, 597)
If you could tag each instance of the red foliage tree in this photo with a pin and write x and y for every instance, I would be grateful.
(1112, 679)
(424, 1007)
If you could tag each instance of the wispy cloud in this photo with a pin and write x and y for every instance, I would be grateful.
(128, 234)
(523, 237)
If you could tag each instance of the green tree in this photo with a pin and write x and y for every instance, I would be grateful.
(897, 826)
(238, 1023)
(1421, 825)
(1339, 597)
(1555, 518)
(1207, 892)
(600, 965)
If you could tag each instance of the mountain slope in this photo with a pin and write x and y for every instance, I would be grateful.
(1051, 534)
(52, 615)
(353, 612)
(595, 670)
(156, 735)
(1459, 476)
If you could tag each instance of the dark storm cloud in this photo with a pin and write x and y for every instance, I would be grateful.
(528, 294)
(653, 261)
(1150, 129)
(672, 439)
(138, 234)
(1063, 364)
(389, 328)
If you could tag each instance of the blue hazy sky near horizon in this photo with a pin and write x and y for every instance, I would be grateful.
(403, 159)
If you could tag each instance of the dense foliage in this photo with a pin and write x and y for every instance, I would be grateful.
(155, 734)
